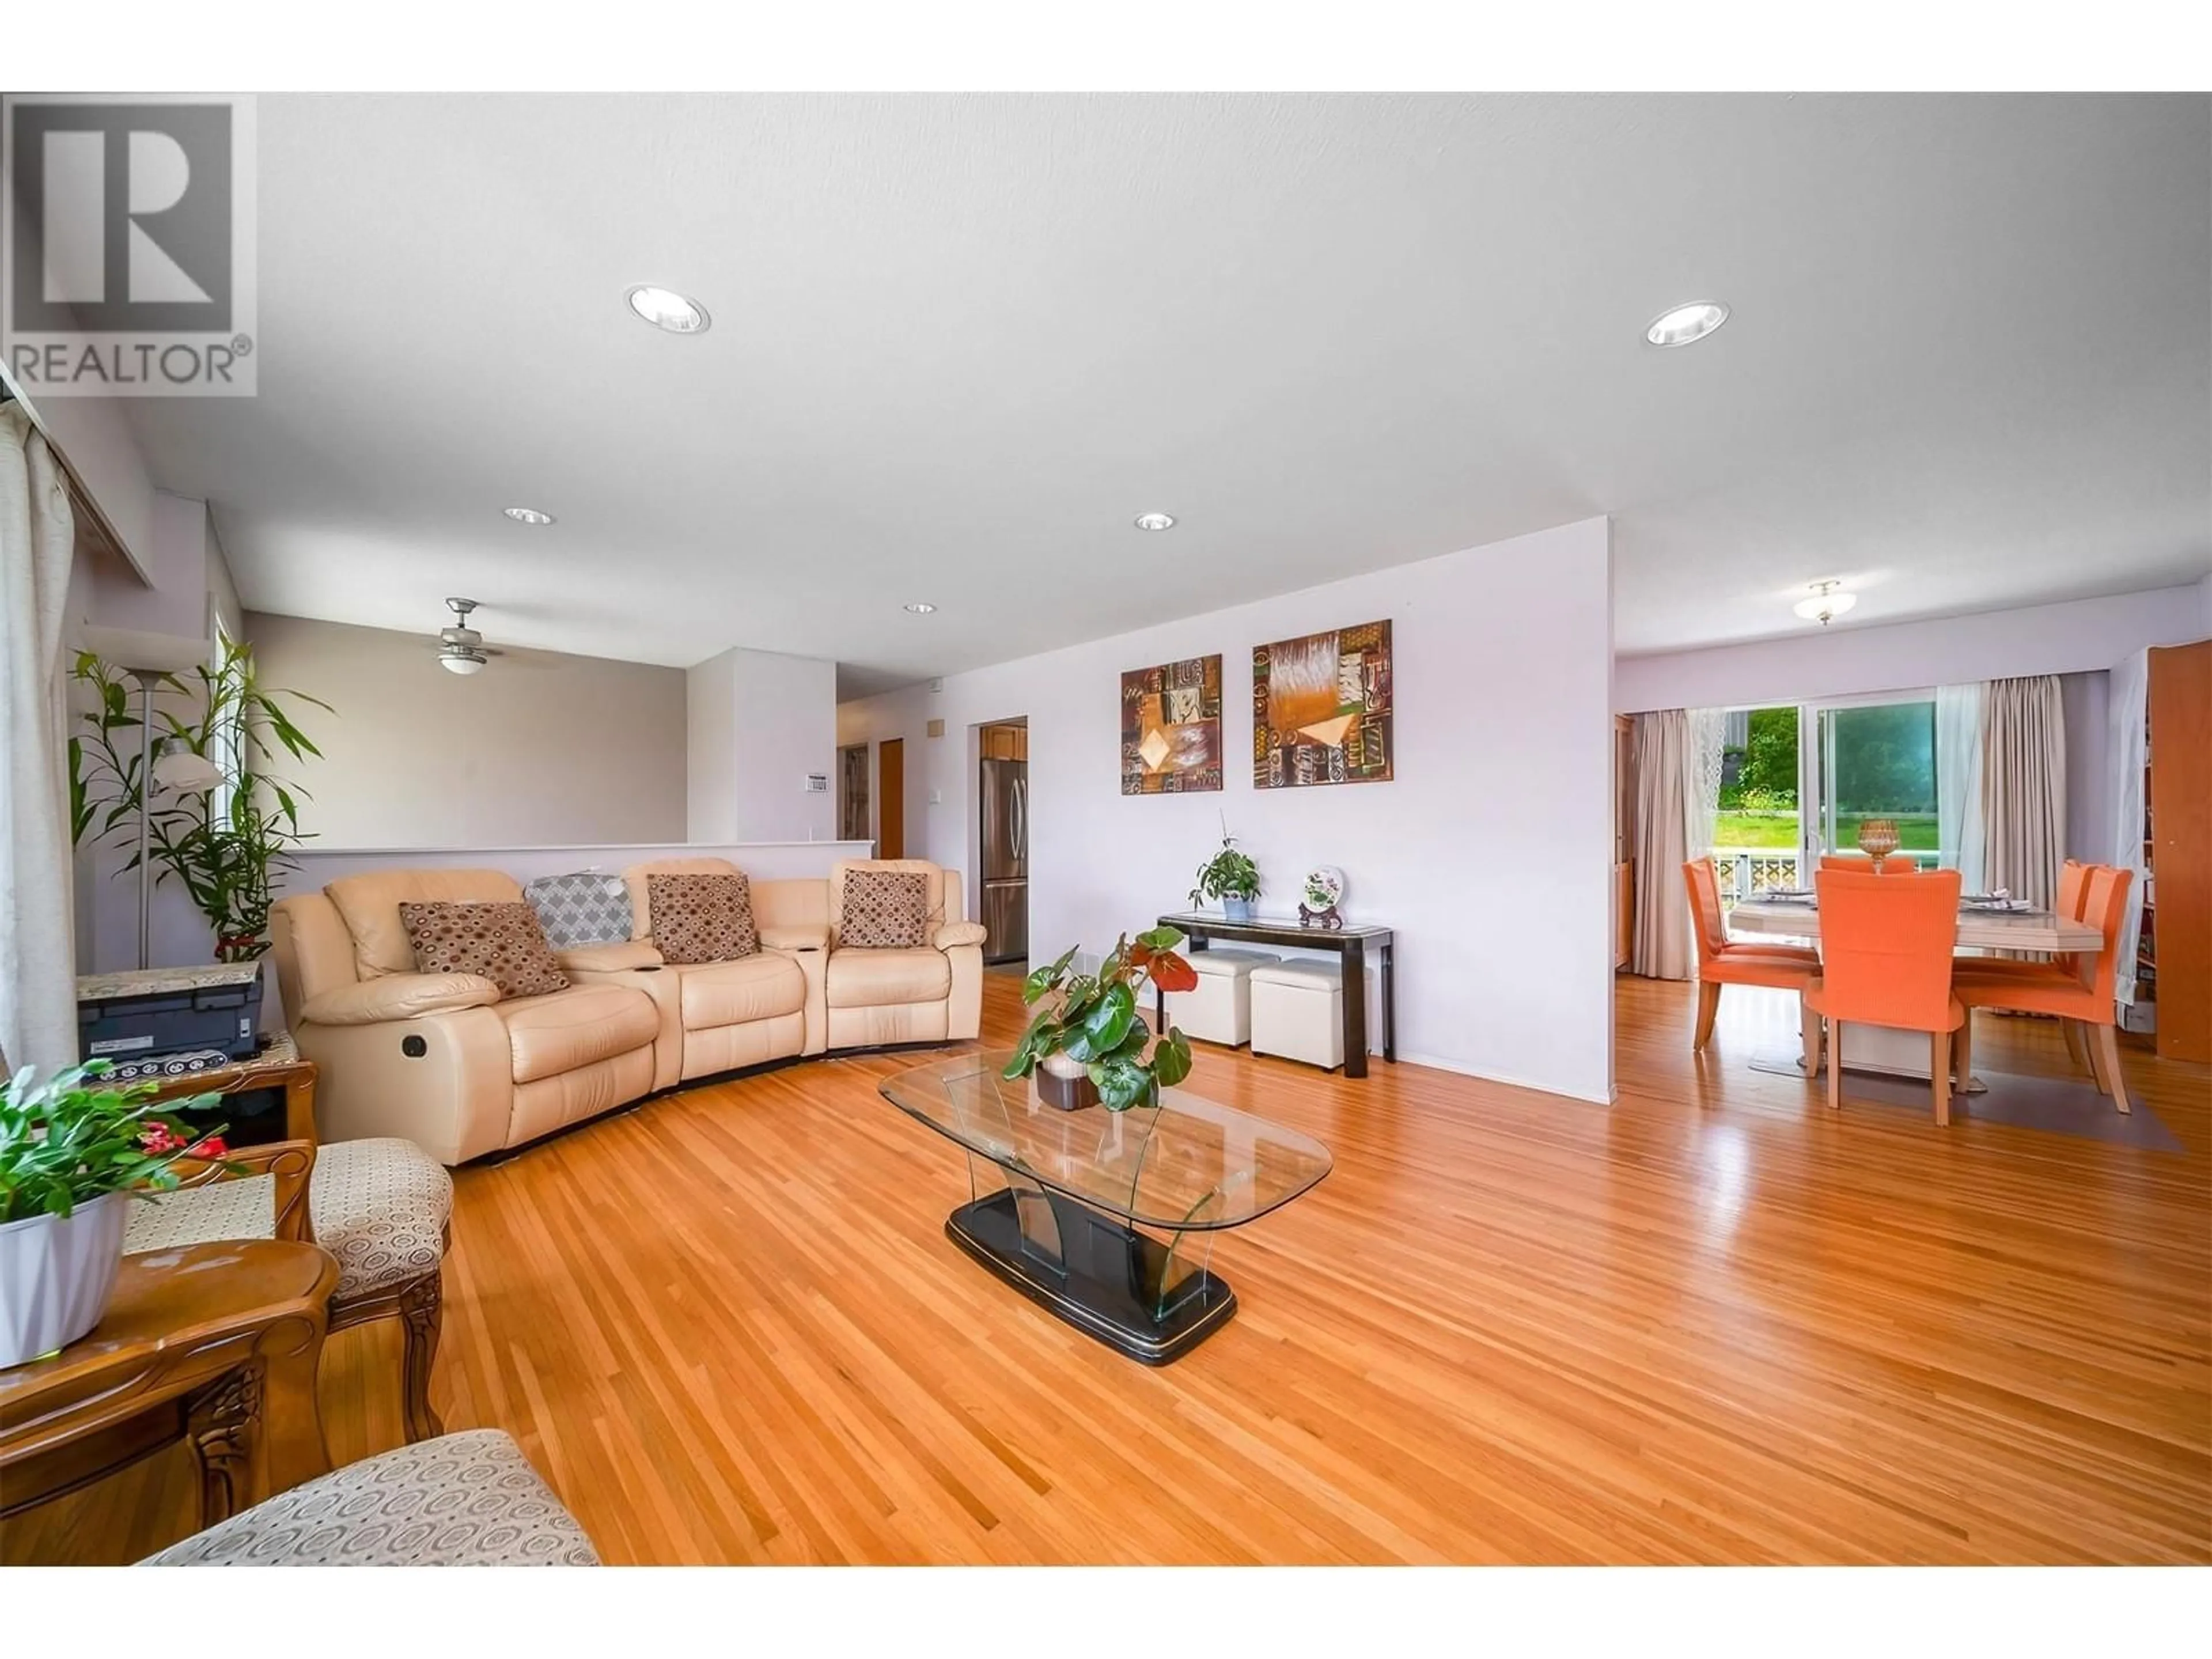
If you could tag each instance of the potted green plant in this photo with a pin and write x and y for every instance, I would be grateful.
(74, 1151)
(215, 821)
(1090, 1042)
(1232, 877)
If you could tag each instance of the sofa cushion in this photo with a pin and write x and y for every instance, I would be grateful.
(933, 883)
(502, 943)
(874, 978)
(554, 1034)
(885, 909)
(640, 897)
(701, 918)
(587, 908)
(737, 993)
(369, 906)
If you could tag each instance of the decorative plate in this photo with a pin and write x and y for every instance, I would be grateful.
(1324, 887)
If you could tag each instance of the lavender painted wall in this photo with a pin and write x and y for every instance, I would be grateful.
(1490, 853)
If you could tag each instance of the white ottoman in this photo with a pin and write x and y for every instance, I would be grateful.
(1297, 1012)
(1220, 1010)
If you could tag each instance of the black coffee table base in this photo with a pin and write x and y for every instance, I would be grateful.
(1090, 1272)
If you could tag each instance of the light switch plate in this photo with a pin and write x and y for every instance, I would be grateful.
(936, 797)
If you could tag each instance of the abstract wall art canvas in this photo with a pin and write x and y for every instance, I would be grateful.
(1171, 728)
(1322, 709)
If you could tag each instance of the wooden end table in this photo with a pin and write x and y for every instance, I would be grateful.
(278, 1066)
(213, 1344)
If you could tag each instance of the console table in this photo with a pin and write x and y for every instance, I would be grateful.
(1352, 944)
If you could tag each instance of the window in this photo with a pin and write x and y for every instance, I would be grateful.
(1757, 839)
(1874, 760)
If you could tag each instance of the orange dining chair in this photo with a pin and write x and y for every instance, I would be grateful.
(1886, 960)
(1723, 960)
(2073, 894)
(2080, 995)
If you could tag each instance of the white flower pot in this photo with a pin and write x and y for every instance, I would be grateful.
(56, 1273)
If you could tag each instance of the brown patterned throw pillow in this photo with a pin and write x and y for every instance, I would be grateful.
(885, 909)
(504, 943)
(705, 918)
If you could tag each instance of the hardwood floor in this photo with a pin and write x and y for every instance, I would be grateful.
(1715, 1323)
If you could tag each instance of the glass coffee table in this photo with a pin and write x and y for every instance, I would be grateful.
(1070, 1227)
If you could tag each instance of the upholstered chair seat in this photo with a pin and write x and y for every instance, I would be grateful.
(462, 1500)
(381, 1207)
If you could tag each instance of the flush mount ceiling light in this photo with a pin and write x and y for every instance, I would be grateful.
(921, 607)
(664, 308)
(527, 515)
(1155, 521)
(1825, 605)
(1685, 325)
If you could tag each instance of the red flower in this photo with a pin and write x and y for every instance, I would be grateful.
(1172, 972)
(158, 1138)
(207, 1146)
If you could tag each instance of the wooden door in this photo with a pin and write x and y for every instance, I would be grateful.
(890, 799)
(2178, 900)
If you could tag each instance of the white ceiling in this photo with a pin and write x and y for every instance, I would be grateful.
(959, 343)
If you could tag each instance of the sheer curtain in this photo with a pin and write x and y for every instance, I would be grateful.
(2024, 787)
(2128, 711)
(1661, 947)
(38, 968)
(1961, 833)
(1701, 779)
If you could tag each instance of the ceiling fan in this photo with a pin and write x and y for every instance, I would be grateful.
(461, 649)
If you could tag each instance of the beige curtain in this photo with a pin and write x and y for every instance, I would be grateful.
(2024, 787)
(1660, 948)
(37, 969)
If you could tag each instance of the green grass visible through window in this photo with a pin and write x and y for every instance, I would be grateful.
(1779, 830)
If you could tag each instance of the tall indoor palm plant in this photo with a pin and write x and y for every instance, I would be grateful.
(214, 820)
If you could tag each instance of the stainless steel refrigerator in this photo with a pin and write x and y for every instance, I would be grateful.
(1005, 798)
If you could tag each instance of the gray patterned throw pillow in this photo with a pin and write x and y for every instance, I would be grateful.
(587, 907)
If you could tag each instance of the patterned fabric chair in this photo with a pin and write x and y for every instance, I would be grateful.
(462, 1500)
(382, 1208)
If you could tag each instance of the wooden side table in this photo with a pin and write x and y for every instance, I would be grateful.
(276, 1066)
(213, 1343)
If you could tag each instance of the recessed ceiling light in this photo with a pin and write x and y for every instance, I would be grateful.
(664, 308)
(527, 515)
(1155, 521)
(1826, 604)
(921, 608)
(1686, 323)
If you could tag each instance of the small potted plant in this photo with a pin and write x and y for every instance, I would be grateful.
(1091, 1043)
(74, 1153)
(1232, 877)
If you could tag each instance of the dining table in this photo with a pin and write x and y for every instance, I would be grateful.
(1982, 926)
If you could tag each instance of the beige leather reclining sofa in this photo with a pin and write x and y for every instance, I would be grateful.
(446, 1061)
